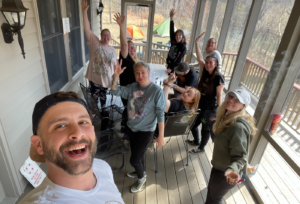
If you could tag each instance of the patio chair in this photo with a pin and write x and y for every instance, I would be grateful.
(109, 141)
(108, 115)
(110, 144)
(178, 123)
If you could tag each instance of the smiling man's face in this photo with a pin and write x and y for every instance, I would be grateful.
(68, 138)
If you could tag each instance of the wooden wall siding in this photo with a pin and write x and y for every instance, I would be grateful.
(22, 84)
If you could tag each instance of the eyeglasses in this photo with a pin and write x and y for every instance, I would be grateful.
(233, 96)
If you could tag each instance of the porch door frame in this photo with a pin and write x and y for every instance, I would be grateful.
(151, 6)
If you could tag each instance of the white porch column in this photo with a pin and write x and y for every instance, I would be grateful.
(210, 22)
(225, 25)
(245, 43)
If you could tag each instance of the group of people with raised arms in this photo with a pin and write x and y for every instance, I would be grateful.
(227, 123)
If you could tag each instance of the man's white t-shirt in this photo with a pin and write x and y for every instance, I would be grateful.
(105, 191)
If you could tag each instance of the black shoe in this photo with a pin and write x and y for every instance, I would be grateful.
(191, 142)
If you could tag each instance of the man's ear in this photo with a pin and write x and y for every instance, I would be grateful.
(36, 141)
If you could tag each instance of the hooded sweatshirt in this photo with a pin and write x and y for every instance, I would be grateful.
(231, 147)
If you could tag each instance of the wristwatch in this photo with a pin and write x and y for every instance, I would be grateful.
(175, 86)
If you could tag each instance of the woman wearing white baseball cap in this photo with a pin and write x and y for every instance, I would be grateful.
(233, 130)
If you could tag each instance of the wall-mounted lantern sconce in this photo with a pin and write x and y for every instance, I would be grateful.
(100, 8)
(15, 14)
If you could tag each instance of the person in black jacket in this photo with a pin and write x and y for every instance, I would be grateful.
(178, 46)
(129, 58)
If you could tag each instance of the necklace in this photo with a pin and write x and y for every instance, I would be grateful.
(144, 93)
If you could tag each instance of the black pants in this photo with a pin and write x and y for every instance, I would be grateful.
(98, 91)
(124, 114)
(217, 187)
(139, 143)
(206, 130)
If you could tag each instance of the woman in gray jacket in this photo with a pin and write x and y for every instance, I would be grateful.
(233, 129)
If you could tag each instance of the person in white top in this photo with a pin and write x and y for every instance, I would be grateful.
(210, 49)
(64, 138)
(103, 57)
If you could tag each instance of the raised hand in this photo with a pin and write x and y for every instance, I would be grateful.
(199, 37)
(119, 19)
(84, 5)
(172, 13)
(172, 78)
(118, 69)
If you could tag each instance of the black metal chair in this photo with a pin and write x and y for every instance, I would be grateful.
(109, 115)
(109, 141)
(110, 144)
(178, 123)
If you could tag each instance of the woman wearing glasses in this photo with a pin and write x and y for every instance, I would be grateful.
(233, 129)
(209, 49)
(211, 87)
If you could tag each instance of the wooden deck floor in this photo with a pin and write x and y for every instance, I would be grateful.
(175, 182)
(275, 181)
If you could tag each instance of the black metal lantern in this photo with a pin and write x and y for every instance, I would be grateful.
(15, 14)
(100, 8)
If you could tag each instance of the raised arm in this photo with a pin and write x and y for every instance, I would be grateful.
(198, 51)
(172, 32)
(219, 94)
(168, 83)
(124, 45)
(86, 23)
(118, 70)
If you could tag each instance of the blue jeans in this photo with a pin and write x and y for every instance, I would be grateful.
(217, 187)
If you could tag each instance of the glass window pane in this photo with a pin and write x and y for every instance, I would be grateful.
(86, 48)
(218, 20)
(234, 36)
(50, 18)
(75, 50)
(264, 45)
(55, 62)
(74, 36)
(72, 8)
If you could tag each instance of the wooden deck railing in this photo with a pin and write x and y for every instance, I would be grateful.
(159, 51)
(254, 78)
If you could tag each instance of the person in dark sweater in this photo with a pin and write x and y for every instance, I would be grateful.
(129, 58)
(211, 86)
(189, 98)
(233, 129)
(178, 46)
(186, 77)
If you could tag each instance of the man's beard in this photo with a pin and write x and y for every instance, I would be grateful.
(69, 166)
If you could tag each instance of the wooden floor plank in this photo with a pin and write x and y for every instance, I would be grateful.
(161, 179)
(173, 192)
(151, 179)
(128, 182)
(291, 181)
(266, 175)
(190, 174)
(263, 189)
(183, 188)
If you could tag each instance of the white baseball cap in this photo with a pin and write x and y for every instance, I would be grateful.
(243, 96)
